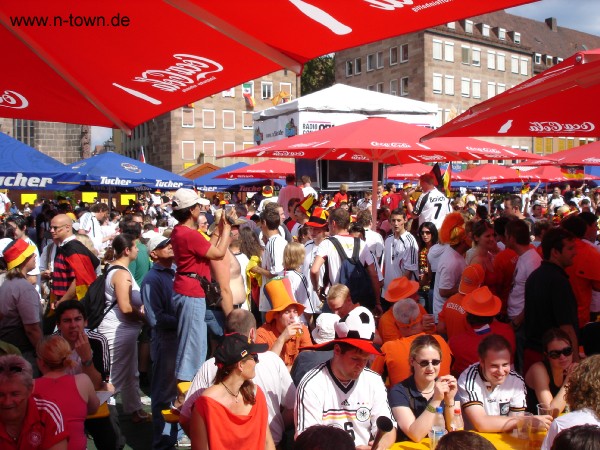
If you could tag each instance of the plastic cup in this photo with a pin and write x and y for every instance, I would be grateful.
(523, 419)
(544, 409)
(536, 433)
(428, 322)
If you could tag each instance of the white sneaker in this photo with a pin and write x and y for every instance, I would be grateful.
(184, 442)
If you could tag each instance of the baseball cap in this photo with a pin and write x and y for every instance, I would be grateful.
(157, 242)
(204, 201)
(471, 278)
(234, 347)
(184, 198)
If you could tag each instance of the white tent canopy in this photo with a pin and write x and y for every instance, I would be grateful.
(341, 98)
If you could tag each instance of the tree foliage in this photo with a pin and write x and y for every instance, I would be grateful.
(319, 73)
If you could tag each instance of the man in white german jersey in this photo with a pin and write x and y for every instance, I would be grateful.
(342, 392)
(432, 205)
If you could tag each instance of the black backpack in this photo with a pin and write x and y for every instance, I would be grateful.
(94, 300)
(354, 275)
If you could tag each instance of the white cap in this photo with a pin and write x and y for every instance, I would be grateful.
(324, 330)
(184, 198)
(157, 240)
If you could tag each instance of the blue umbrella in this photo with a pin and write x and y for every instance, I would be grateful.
(210, 182)
(25, 168)
(113, 171)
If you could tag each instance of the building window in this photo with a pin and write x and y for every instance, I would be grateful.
(476, 89)
(514, 64)
(380, 60)
(465, 54)
(228, 119)
(451, 25)
(228, 147)
(485, 30)
(287, 88)
(469, 26)
(187, 118)
(404, 86)
(501, 62)
(524, 70)
(246, 145)
(229, 92)
(476, 57)
(449, 51)
(501, 88)
(393, 56)
(24, 131)
(491, 89)
(517, 38)
(404, 53)
(437, 83)
(537, 58)
(349, 68)
(188, 150)
(208, 148)
(437, 49)
(370, 62)
(548, 60)
(394, 87)
(247, 123)
(465, 87)
(502, 34)
(357, 66)
(371, 87)
(491, 60)
(266, 90)
(449, 84)
(208, 118)
(379, 87)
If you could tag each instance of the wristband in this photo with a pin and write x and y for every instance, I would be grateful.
(430, 408)
(87, 363)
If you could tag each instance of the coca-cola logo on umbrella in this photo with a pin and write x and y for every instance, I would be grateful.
(13, 100)
(546, 127)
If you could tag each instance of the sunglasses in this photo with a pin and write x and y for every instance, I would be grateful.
(425, 232)
(13, 369)
(56, 228)
(425, 362)
(555, 354)
(255, 358)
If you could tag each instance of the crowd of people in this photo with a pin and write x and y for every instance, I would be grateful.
(272, 322)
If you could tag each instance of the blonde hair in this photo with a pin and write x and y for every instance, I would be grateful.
(338, 291)
(87, 241)
(54, 351)
(293, 256)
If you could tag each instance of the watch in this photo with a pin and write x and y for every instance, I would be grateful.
(87, 363)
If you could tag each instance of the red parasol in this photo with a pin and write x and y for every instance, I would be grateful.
(269, 169)
(561, 101)
(120, 63)
(492, 173)
(407, 171)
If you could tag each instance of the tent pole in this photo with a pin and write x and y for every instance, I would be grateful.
(489, 197)
(374, 176)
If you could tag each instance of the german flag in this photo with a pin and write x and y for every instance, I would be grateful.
(573, 172)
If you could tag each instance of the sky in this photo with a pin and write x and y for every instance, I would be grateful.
(582, 15)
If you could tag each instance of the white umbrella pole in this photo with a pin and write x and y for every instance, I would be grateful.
(374, 176)
(489, 197)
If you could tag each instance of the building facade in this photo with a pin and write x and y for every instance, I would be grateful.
(200, 132)
(462, 63)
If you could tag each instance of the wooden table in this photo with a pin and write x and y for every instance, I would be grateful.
(502, 441)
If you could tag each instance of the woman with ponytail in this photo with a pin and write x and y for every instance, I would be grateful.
(73, 394)
(122, 324)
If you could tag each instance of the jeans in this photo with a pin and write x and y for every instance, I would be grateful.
(191, 335)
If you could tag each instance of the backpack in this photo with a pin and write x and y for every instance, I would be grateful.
(94, 299)
(354, 275)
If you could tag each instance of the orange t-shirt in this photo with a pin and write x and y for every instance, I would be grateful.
(388, 330)
(268, 334)
(454, 316)
(583, 274)
(395, 358)
(505, 263)
(226, 430)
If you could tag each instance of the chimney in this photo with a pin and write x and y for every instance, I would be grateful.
(551, 22)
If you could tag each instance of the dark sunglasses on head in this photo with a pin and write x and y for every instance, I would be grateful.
(13, 369)
(555, 354)
(425, 362)
(255, 358)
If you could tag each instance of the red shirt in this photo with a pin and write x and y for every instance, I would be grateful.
(43, 427)
(339, 198)
(505, 263)
(190, 250)
(392, 200)
(583, 274)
